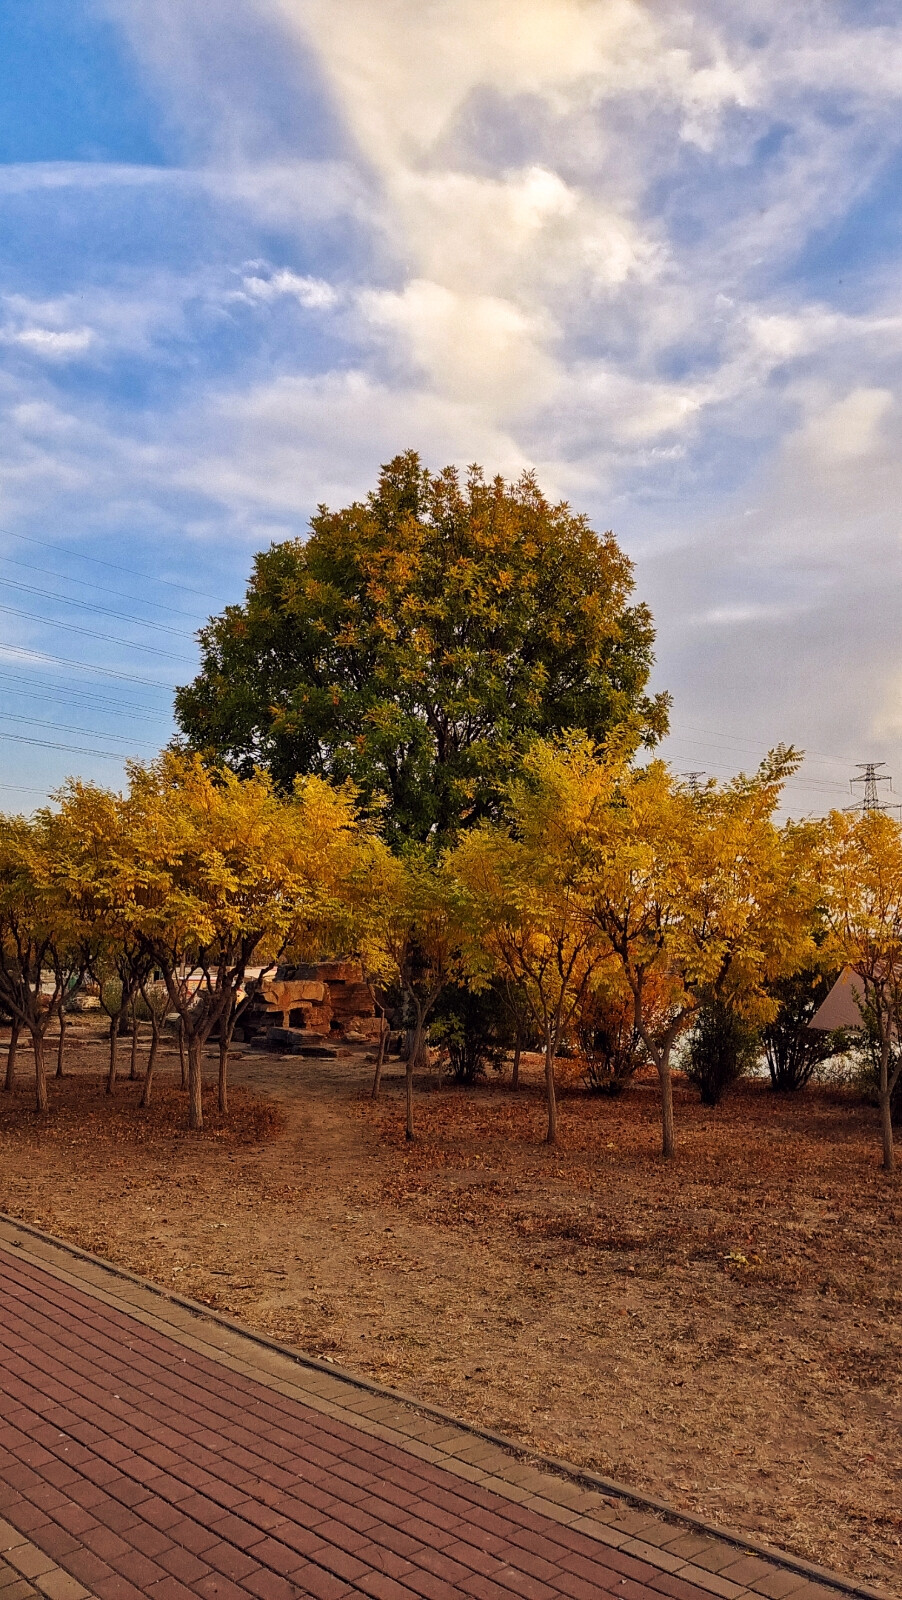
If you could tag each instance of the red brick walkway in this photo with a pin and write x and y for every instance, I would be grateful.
(144, 1467)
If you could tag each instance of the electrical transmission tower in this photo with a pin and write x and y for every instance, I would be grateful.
(870, 795)
(691, 780)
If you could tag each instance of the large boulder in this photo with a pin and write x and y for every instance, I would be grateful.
(325, 998)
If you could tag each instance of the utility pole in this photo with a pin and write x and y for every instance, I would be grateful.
(691, 780)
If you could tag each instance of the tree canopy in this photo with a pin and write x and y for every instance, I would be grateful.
(419, 641)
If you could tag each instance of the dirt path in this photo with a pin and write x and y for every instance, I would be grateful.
(724, 1332)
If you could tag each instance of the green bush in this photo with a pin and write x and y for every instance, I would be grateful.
(476, 1028)
(793, 1049)
(721, 1048)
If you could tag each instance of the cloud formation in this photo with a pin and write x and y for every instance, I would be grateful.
(650, 250)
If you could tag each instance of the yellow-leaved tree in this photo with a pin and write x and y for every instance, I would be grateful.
(529, 916)
(694, 897)
(700, 897)
(90, 825)
(42, 950)
(414, 929)
(860, 860)
(210, 872)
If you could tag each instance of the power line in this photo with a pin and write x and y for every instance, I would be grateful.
(92, 633)
(59, 692)
(75, 749)
(90, 605)
(744, 744)
(823, 784)
(85, 666)
(103, 588)
(114, 566)
(65, 727)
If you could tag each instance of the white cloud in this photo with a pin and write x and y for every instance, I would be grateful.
(273, 448)
(53, 343)
(471, 346)
(846, 431)
(314, 294)
(739, 615)
(514, 243)
(403, 69)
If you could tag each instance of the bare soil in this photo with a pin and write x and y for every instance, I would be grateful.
(723, 1330)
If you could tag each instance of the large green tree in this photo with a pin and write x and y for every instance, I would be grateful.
(418, 641)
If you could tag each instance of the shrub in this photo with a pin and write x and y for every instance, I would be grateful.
(721, 1048)
(476, 1029)
(865, 1053)
(793, 1049)
(609, 1045)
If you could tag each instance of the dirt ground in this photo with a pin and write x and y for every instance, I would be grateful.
(725, 1330)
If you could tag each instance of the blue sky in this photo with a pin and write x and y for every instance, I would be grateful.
(249, 252)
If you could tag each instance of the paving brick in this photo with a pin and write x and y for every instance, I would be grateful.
(169, 1588)
(319, 1585)
(746, 1568)
(814, 1591)
(679, 1587)
(12, 1585)
(28, 1561)
(119, 1588)
(270, 1586)
(779, 1584)
(577, 1588)
(60, 1585)
(183, 1564)
(709, 1583)
(382, 1587)
(653, 1555)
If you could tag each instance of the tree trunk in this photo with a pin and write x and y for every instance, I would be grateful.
(886, 1110)
(408, 1098)
(665, 1079)
(151, 1059)
(551, 1097)
(225, 1039)
(195, 1084)
(380, 1058)
(886, 1131)
(40, 1075)
(222, 1098)
(114, 1054)
(182, 1062)
(133, 1068)
(413, 1056)
(11, 1055)
(61, 1048)
(515, 1070)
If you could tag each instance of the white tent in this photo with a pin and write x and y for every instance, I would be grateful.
(842, 1007)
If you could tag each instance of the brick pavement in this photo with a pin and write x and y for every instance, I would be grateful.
(13, 1586)
(146, 1451)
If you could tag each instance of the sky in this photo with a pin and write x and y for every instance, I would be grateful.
(248, 252)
